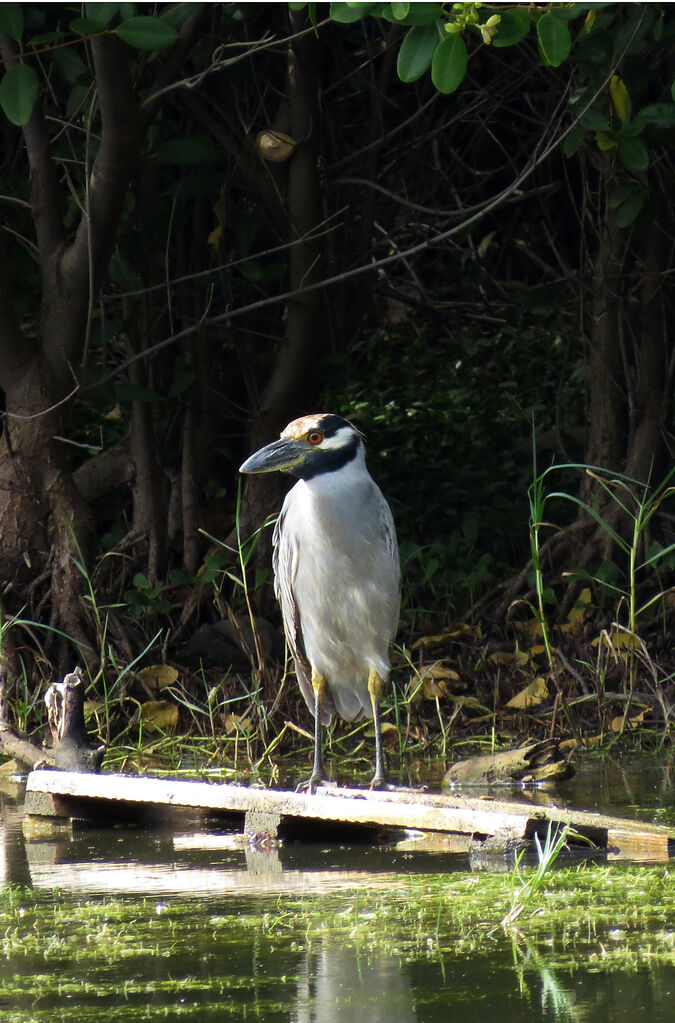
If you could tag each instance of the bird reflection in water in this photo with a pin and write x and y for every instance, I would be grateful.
(342, 984)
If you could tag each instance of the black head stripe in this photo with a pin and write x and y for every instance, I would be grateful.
(318, 461)
(330, 424)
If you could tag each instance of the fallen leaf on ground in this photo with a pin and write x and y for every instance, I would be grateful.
(159, 716)
(531, 695)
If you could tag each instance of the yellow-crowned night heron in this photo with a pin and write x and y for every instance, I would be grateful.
(336, 573)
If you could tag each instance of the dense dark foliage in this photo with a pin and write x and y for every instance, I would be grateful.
(215, 217)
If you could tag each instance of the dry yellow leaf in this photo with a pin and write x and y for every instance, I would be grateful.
(517, 657)
(531, 695)
(459, 631)
(618, 722)
(581, 610)
(529, 629)
(236, 723)
(159, 716)
(434, 689)
(620, 98)
(438, 670)
(156, 677)
(617, 641)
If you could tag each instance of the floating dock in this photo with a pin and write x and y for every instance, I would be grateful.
(450, 821)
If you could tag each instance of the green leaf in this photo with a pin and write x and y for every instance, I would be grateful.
(630, 209)
(634, 155)
(448, 65)
(633, 128)
(146, 33)
(345, 14)
(417, 50)
(68, 65)
(195, 150)
(513, 26)
(86, 26)
(593, 120)
(574, 140)
(604, 141)
(399, 10)
(555, 41)
(46, 37)
(103, 13)
(660, 115)
(418, 14)
(618, 197)
(18, 93)
(11, 21)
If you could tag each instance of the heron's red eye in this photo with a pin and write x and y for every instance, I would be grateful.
(314, 437)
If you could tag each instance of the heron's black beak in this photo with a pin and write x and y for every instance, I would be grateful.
(280, 455)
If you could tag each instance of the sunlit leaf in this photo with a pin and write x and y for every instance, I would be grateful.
(158, 676)
(530, 696)
(619, 723)
(159, 716)
(399, 10)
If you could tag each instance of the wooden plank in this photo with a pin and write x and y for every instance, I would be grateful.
(70, 794)
(339, 806)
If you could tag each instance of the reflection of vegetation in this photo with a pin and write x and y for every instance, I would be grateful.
(608, 919)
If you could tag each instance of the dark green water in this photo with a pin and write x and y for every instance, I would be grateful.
(125, 924)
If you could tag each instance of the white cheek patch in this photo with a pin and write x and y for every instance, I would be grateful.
(339, 440)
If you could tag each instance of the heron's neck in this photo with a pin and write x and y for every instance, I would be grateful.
(340, 481)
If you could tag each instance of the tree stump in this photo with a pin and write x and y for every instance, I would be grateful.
(65, 713)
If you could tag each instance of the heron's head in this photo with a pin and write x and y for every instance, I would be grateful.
(308, 446)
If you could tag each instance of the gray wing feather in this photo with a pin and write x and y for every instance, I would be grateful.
(389, 533)
(285, 564)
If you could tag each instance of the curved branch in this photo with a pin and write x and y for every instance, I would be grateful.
(44, 187)
(121, 131)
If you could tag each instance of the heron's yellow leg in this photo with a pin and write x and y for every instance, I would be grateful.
(375, 689)
(318, 775)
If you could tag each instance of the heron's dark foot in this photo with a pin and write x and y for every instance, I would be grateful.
(314, 782)
(379, 782)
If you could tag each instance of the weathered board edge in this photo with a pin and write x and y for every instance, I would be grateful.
(64, 793)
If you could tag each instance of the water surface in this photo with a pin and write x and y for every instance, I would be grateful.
(189, 923)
